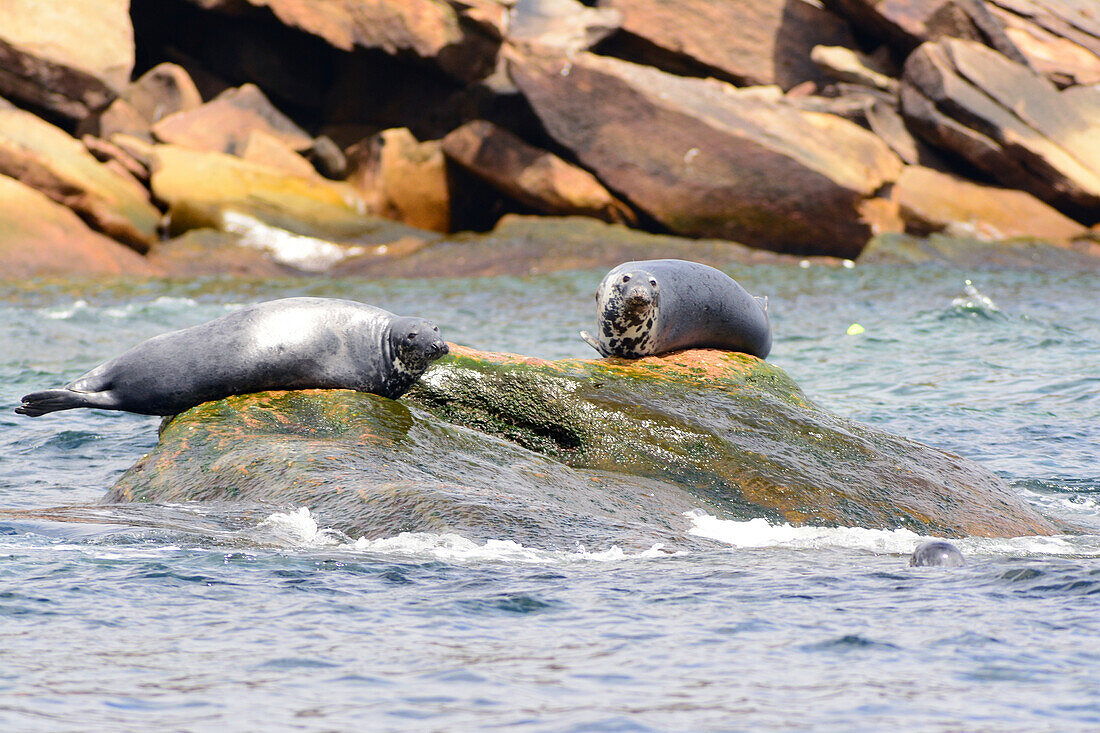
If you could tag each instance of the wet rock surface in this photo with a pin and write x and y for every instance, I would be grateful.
(496, 445)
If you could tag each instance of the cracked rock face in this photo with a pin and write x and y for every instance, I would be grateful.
(1008, 121)
(706, 159)
(69, 58)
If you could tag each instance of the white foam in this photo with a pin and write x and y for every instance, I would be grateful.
(305, 253)
(975, 300)
(299, 528)
(66, 312)
(759, 533)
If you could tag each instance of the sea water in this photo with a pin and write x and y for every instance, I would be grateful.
(197, 620)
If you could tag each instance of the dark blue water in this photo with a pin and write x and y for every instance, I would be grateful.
(201, 619)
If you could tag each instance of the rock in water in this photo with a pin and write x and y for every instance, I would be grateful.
(551, 453)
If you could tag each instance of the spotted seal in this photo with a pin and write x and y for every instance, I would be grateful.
(293, 343)
(937, 552)
(656, 306)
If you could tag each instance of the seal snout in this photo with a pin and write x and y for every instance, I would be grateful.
(439, 348)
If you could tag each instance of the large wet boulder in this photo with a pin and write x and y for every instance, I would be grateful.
(41, 238)
(47, 158)
(70, 58)
(1008, 121)
(549, 453)
(706, 159)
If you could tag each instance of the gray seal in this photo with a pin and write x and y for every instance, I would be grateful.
(937, 552)
(293, 343)
(655, 306)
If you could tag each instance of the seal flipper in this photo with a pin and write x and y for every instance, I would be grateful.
(763, 301)
(37, 404)
(591, 341)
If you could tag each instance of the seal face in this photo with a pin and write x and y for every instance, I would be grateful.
(655, 306)
(293, 343)
(937, 552)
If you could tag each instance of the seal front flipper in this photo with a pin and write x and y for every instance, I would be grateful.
(591, 341)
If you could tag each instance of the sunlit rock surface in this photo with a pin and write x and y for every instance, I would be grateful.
(550, 453)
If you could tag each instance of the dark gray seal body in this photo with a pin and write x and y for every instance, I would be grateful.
(655, 306)
(294, 343)
(937, 552)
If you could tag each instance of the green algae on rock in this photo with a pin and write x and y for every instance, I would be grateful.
(550, 453)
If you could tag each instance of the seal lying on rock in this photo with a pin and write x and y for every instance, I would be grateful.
(294, 343)
(937, 552)
(656, 306)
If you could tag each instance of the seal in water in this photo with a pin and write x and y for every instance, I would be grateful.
(656, 306)
(293, 343)
(937, 552)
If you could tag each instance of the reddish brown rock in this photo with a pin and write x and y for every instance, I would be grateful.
(704, 159)
(266, 149)
(566, 25)
(403, 179)
(202, 188)
(845, 65)
(906, 24)
(461, 38)
(223, 124)
(1059, 38)
(70, 58)
(162, 91)
(50, 160)
(1008, 121)
(534, 177)
(748, 43)
(931, 201)
(39, 238)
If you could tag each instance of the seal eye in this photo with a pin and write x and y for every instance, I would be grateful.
(653, 282)
(626, 278)
(411, 336)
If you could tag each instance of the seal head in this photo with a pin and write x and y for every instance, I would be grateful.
(937, 553)
(627, 305)
(415, 343)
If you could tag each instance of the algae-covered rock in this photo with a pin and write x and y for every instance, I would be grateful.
(548, 453)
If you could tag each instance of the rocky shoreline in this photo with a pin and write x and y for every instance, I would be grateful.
(420, 137)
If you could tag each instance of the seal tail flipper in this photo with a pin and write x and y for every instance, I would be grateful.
(591, 341)
(37, 404)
